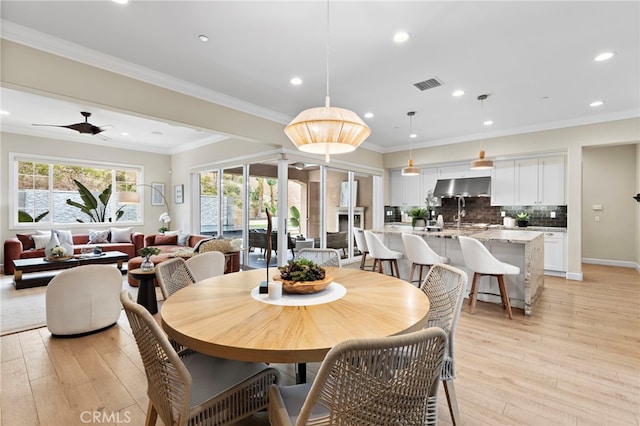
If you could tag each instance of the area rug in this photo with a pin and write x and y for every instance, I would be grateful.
(22, 310)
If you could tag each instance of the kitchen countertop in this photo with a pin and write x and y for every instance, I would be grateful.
(483, 226)
(505, 235)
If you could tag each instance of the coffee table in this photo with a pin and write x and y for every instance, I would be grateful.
(40, 264)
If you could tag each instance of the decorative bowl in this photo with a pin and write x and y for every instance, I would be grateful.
(304, 287)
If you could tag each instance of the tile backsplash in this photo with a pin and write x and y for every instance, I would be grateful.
(480, 210)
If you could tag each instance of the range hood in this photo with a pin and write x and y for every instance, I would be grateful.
(463, 187)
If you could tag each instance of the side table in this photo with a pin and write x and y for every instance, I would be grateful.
(146, 289)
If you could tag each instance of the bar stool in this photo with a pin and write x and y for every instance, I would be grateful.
(478, 258)
(362, 245)
(420, 254)
(381, 253)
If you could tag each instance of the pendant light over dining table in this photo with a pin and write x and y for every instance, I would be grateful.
(481, 163)
(327, 130)
(410, 170)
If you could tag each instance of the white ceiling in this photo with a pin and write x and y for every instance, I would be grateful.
(534, 58)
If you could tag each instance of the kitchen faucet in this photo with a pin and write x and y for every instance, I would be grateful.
(461, 212)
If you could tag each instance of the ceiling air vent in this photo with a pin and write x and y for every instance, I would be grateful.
(429, 84)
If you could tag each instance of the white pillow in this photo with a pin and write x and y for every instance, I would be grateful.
(183, 238)
(64, 236)
(120, 235)
(98, 236)
(170, 233)
(40, 241)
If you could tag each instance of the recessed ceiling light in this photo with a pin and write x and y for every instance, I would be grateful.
(157, 133)
(3, 112)
(401, 36)
(488, 123)
(203, 37)
(121, 1)
(296, 81)
(458, 93)
(124, 134)
(596, 103)
(368, 115)
(413, 135)
(604, 56)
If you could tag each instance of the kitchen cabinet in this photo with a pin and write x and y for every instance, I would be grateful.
(429, 177)
(405, 191)
(461, 171)
(502, 183)
(555, 251)
(539, 181)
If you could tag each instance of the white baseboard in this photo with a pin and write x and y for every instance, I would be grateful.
(575, 276)
(606, 262)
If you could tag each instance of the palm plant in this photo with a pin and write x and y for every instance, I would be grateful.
(95, 208)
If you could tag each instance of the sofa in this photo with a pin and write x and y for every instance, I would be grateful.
(22, 246)
(183, 245)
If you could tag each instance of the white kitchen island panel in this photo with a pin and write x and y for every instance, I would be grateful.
(524, 249)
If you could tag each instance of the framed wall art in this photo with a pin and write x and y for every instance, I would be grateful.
(178, 194)
(157, 194)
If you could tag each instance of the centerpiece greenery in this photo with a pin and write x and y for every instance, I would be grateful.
(301, 270)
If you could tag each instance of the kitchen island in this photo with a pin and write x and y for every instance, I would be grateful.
(524, 249)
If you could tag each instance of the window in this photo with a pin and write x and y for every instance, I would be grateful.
(52, 191)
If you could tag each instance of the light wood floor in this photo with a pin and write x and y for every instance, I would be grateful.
(576, 361)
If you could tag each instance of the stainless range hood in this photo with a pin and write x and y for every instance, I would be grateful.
(463, 187)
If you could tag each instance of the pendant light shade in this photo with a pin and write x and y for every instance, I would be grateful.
(327, 130)
(481, 163)
(410, 170)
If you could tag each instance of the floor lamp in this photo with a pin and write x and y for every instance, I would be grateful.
(130, 197)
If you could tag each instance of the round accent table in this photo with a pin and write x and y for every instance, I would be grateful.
(146, 289)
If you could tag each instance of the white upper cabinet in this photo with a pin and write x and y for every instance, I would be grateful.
(405, 190)
(461, 171)
(503, 186)
(429, 177)
(539, 181)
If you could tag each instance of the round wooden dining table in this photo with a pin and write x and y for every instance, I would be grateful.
(219, 316)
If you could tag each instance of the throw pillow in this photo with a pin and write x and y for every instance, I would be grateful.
(183, 238)
(98, 236)
(64, 236)
(40, 241)
(120, 235)
(223, 246)
(162, 240)
(196, 248)
(26, 240)
(170, 233)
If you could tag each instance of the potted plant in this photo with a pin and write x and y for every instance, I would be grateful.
(419, 214)
(295, 221)
(147, 252)
(523, 219)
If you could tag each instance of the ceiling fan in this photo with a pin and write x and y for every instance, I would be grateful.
(85, 127)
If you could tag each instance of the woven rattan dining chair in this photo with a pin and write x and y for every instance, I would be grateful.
(195, 389)
(172, 275)
(321, 257)
(444, 285)
(206, 265)
(381, 381)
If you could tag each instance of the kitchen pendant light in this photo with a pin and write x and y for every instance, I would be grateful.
(410, 170)
(481, 163)
(327, 130)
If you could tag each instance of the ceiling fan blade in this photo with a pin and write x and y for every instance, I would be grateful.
(84, 127)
